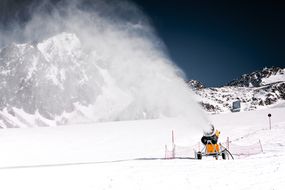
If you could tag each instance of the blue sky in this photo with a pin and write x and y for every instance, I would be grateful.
(217, 41)
(211, 41)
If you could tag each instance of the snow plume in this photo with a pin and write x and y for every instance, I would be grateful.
(139, 80)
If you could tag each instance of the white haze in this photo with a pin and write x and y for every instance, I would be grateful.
(140, 80)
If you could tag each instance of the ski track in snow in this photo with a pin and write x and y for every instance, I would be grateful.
(124, 170)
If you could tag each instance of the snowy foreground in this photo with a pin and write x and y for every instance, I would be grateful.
(126, 155)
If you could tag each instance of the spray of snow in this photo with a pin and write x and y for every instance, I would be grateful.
(139, 79)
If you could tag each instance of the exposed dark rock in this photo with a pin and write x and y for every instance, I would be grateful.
(208, 107)
(196, 85)
(253, 90)
(254, 79)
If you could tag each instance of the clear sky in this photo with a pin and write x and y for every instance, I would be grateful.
(212, 41)
(217, 41)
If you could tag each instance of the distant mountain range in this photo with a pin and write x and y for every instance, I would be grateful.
(254, 91)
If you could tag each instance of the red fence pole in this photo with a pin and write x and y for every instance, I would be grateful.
(173, 145)
(199, 146)
(228, 143)
(165, 153)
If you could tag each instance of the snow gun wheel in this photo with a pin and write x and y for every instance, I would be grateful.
(199, 155)
(227, 153)
(223, 155)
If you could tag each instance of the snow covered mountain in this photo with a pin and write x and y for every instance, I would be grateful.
(254, 90)
(260, 78)
(45, 79)
(61, 80)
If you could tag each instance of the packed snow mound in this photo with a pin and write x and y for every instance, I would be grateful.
(59, 81)
(255, 91)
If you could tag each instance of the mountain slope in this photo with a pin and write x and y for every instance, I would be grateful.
(254, 90)
(47, 78)
(61, 81)
(260, 78)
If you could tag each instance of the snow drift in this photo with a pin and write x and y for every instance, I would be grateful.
(83, 61)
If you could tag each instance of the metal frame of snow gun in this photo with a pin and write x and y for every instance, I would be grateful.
(227, 152)
(213, 150)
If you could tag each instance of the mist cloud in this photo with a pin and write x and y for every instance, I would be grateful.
(140, 80)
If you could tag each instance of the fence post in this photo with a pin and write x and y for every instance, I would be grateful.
(269, 118)
(173, 151)
(260, 146)
(173, 145)
(228, 143)
(199, 146)
(165, 153)
(172, 137)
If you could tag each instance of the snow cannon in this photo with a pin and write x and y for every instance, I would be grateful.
(211, 146)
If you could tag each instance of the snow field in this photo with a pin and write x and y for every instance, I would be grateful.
(266, 173)
(94, 142)
(110, 149)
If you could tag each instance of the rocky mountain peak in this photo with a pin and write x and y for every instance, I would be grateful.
(254, 90)
(196, 85)
(259, 78)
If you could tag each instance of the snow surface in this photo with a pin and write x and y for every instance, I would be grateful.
(280, 76)
(110, 155)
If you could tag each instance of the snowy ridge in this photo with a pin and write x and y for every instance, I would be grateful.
(255, 91)
(60, 46)
(260, 78)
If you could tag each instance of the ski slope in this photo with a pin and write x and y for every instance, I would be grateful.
(125, 155)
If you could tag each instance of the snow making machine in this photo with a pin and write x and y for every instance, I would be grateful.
(211, 147)
(214, 150)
